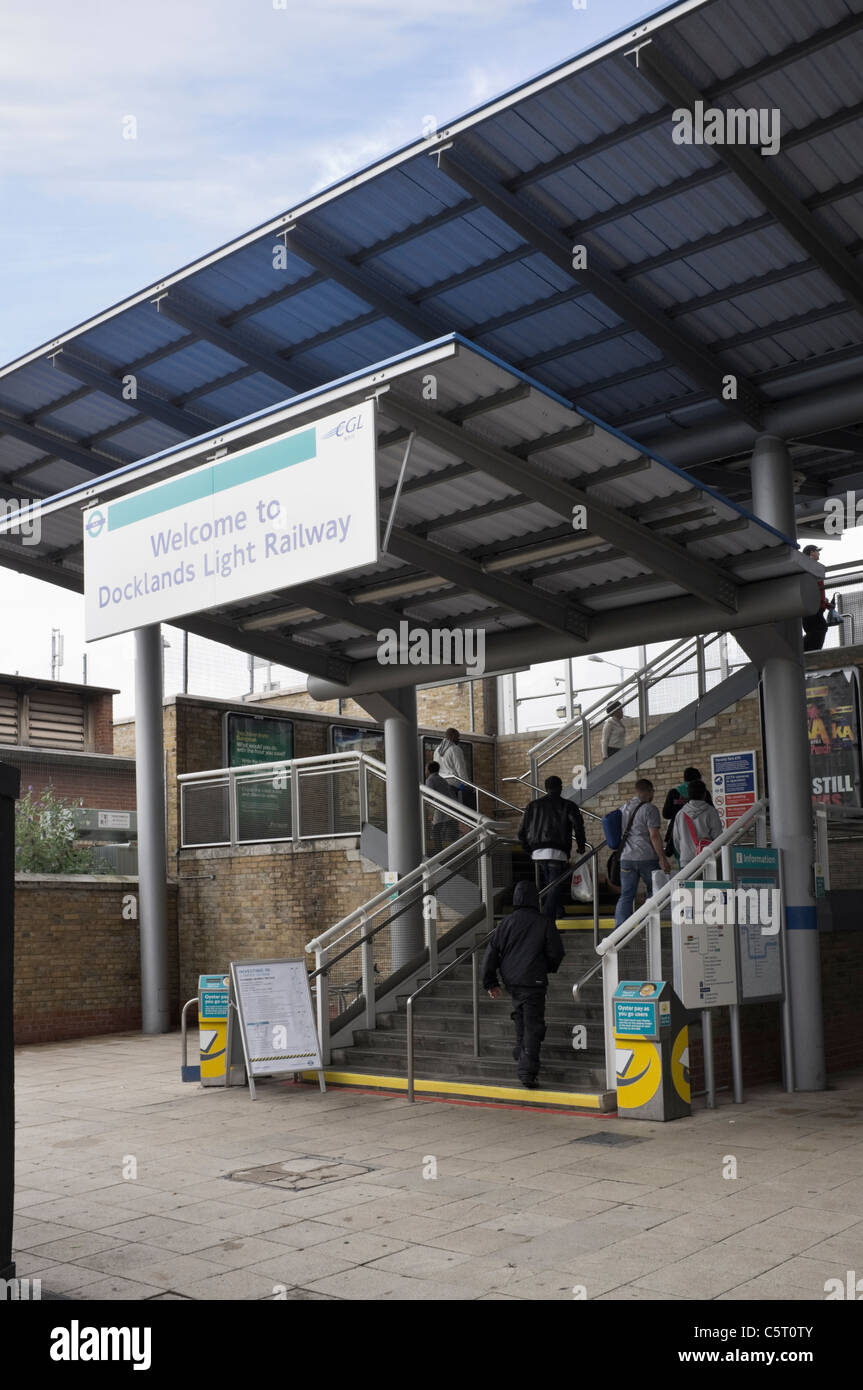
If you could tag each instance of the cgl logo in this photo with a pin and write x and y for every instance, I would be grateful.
(345, 428)
(95, 522)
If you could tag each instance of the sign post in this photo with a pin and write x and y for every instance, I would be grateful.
(276, 1020)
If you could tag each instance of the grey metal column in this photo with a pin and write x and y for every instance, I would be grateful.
(152, 861)
(787, 749)
(397, 710)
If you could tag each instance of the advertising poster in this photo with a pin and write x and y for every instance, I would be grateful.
(833, 720)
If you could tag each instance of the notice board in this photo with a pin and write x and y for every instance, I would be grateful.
(277, 1023)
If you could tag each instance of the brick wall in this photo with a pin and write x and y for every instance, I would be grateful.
(108, 787)
(265, 901)
(102, 722)
(77, 958)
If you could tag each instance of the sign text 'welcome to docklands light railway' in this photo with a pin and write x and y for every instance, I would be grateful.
(293, 509)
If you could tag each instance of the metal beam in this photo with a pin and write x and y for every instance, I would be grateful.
(331, 603)
(599, 279)
(145, 405)
(542, 607)
(368, 286)
(775, 62)
(259, 359)
(657, 553)
(766, 601)
(315, 661)
(54, 444)
(753, 171)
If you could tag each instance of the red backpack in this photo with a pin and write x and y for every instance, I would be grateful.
(699, 843)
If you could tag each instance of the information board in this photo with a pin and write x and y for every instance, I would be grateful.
(733, 784)
(276, 1019)
(759, 953)
(299, 507)
(705, 958)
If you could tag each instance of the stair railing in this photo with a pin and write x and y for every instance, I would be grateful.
(635, 688)
(472, 951)
(703, 866)
(359, 931)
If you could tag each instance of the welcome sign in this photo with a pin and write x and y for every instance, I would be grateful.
(296, 508)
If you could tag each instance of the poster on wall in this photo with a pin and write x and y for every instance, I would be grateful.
(734, 784)
(833, 721)
(263, 803)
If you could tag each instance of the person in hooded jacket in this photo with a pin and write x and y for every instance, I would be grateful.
(525, 947)
(676, 798)
(703, 819)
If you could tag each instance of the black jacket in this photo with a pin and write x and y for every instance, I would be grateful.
(526, 946)
(550, 823)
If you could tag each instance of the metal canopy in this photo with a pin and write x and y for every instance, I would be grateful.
(702, 260)
(484, 530)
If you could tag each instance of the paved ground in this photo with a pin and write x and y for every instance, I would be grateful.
(125, 1191)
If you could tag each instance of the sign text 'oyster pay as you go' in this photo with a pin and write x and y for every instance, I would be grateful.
(299, 507)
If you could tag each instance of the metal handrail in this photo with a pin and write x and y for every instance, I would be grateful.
(533, 787)
(409, 1008)
(622, 935)
(460, 960)
(284, 763)
(409, 880)
(640, 681)
(649, 914)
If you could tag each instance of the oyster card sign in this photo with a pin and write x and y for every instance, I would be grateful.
(295, 508)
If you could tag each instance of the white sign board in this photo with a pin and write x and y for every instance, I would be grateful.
(705, 961)
(115, 820)
(295, 508)
(276, 1019)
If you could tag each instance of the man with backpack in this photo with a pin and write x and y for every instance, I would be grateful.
(641, 850)
(546, 832)
(525, 947)
(695, 825)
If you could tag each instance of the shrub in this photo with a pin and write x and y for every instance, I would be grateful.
(46, 837)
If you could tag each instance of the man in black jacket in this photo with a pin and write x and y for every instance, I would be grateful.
(525, 947)
(546, 832)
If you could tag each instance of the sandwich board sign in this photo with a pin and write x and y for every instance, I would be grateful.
(298, 507)
(273, 1005)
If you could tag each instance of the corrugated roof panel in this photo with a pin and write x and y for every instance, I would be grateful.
(240, 398)
(140, 330)
(97, 411)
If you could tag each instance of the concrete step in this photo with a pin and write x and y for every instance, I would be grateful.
(498, 1069)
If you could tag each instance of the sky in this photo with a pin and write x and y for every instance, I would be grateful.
(239, 109)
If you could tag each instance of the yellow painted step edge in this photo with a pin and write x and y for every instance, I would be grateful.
(586, 924)
(570, 1099)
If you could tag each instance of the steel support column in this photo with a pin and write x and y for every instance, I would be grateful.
(787, 750)
(10, 784)
(152, 860)
(398, 713)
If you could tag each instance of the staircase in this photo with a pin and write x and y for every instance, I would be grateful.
(573, 1062)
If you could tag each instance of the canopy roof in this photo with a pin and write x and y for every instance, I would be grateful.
(485, 532)
(702, 260)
